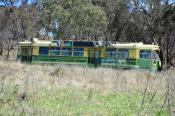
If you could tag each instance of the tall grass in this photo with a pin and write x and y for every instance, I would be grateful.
(33, 89)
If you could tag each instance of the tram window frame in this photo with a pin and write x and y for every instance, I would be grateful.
(55, 51)
(78, 51)
(110, 53)
(145, 54)
(123, 53)
(66, 51)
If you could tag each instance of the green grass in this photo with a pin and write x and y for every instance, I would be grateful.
(75, 101)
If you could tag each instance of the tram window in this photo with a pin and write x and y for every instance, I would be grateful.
(91, 54)
(145, 54)
(68, 43)
(55, 51)
(97, 54)
(122, 53)
(110, 53)
(24, 51)
(83, 43)
(78, 51)
(66, 52)
(43, 50)
(155, 55)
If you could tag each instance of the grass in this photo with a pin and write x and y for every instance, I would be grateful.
(75, 101)
(73, 90)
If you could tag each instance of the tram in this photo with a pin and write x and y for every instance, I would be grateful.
(91, 53)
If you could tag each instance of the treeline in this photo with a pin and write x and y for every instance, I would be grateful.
(148, 21)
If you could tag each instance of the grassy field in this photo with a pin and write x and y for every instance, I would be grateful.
(73, 90)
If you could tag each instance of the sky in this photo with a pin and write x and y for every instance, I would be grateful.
(19, 2)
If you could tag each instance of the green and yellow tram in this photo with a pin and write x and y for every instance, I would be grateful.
(92, 53)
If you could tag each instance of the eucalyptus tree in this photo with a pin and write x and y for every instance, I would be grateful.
(17, 22)
(155, 20)
(79, 18)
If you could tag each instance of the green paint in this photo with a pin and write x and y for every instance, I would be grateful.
(114, 63)
(68, 59)
(145, 63)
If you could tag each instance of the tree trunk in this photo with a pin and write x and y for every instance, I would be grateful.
(161, 51)
(1, 48)
(1, 52)
(108, 35)
(8, 54)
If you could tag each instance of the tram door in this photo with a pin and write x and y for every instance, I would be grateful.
(94, 57)
(26, 54)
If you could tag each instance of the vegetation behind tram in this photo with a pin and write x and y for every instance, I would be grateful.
(148, 21)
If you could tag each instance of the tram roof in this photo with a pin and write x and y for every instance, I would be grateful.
(37, 42)
(136, 46)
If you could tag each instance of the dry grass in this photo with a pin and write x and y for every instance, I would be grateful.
(30, 78)
(84, 77)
